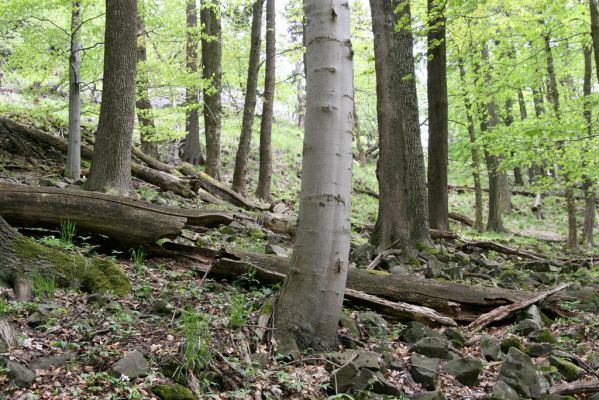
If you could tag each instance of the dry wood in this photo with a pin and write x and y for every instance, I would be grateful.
(505, 311)
(377, 260)
(577, 387)
(461, 218)
(219, 189)
(536, 206)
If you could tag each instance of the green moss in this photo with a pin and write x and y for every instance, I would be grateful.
(173, 392)
(568, 370)
(543, 336)
(377, 272)
(506, 344)
(93, 275)
(266, 307)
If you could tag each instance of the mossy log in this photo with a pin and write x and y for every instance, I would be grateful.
(124, 220)
(22, 258)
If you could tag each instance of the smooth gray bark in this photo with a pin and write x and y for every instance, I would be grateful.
(311, 299)
(594, 8)
(73, 165)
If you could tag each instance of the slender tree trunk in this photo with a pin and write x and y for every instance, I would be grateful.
(111, 164)
(212, 72)
(192, 152)
(478, 191)
(312, 297)
(249, 108)
(518, 180)
(73, 165)
(358, 135)
(504, 182)
(265, 173)
(300, 95)
(489, 120)
(594, 6)
(589, 190)
(147, 128)
(403, 207)
(438, 208)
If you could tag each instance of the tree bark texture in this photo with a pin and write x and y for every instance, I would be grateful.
(73, 165)
(111, 164)
(265, 173)
(147, 128)
(438, 208)
(403, 208)
(478, 191)
(588, 188)
(212, 72)
(594, 8)
(518, 180)
(192, 153)
(312, 297)
(249, 107)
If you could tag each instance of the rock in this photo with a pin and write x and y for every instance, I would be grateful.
(455, 336)
(55, 361)
(277, 250)
(593, 360)
(534, 313)
(542, 336)
(527, 326)
(424, 370)
(461, 257)
(542, 278)
(455, 272)
(393, 363)
(435, 269)
(133, 365)
(488, 263)
(17, 373)
(174, 391)
(360, 358)
(363, 254)
(539, 349)
(97, 298)
(367, 380)
(343, 378)
(490, 348)
(257, 233)
(567, 369)
(507, 344)
(374, 324)
(416, 331)
(401, 269)
(465, 370)
(259, 359)
(503, 391)
(433, 347)
(162, 307)
(435, 395)
(61, 185)
(520, 374)
(538, 266)
(350, 325)
(42, 314)
(388, 262)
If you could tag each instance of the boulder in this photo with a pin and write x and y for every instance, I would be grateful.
(55, 361)
(424, 370)
(534, 313)
(433, 347)
(401, 269)
(17, 373)
(133, 365)
(172, 391)
(503, 391)
(362, 254)
(360, 358)
(527, 326)
(539, 349)
(374, 324)
(417, 331)
(567, 369)
(490, 348)
(342, 379)
(520, 374)
(367, 380)
(455, 336)
(435, 269)
(350, 325)
(277, 250)
(434, 395)
(465, 370)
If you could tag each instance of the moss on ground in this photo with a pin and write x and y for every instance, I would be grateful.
(94, 275)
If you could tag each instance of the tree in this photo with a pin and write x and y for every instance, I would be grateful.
(249, 107)
(193, 149)
(589, 191)
(147, 129)
(594, 8)
(403, 207)
(265, 173)
(111, 163)
(212, 72)
(73, 165)
(437, 117)
(311, 299)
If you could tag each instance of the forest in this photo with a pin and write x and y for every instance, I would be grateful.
(299, 199)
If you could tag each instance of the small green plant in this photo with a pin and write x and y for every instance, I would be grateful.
(137, 258)
(44, 286)
(3, 307)
(247, 279)
(197, 353)
(67, 231)
(239, 312)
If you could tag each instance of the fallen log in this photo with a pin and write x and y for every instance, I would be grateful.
(457, 301)
(204, 181)
(577, 387)
(125, 220)
(461, 218)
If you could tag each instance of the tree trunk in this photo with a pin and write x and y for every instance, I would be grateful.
(249, 108)
(478, 191)
(589, 190)
(73, 165)
(111, 164)
(438, 209)
(312, 297)
(518, 180)
(265, 174)
(212, 72)
(192, 153)
(403, 208)
(489, 120)
(594, 6)
(300, 111)
(147, 129)
(358, 135)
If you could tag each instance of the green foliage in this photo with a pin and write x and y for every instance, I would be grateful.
(44, 287)
(197, 354)
(240, 311)
(67, 232)
(138, 257)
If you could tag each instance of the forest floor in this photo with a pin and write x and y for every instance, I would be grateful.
(72, 340)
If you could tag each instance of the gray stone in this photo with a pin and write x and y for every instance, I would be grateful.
(360, 358)
(455, 271)
(416, 331)
(350, 325)
(526, 327)
(490, 347)
(487, 263)
(343, 378)
(367, 380)
(461, 257)
(277, 250)
(362, 255)
(433, 347)
(61, 185)
(55, 361)
(424, 370)
(455, 336)
(393, 363)
(172, 391)
(374, 324)
(542, 277)
(534, 313)
(133, 365)
(567, 369)
(97, 298)
(539, 349)
(538, 266)
(593, 360)
(519, 372)
(259, 359)
(435, 269)
(19, 374)
(401, 269)
(465, 370)
(503, 391)
(434, 395)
